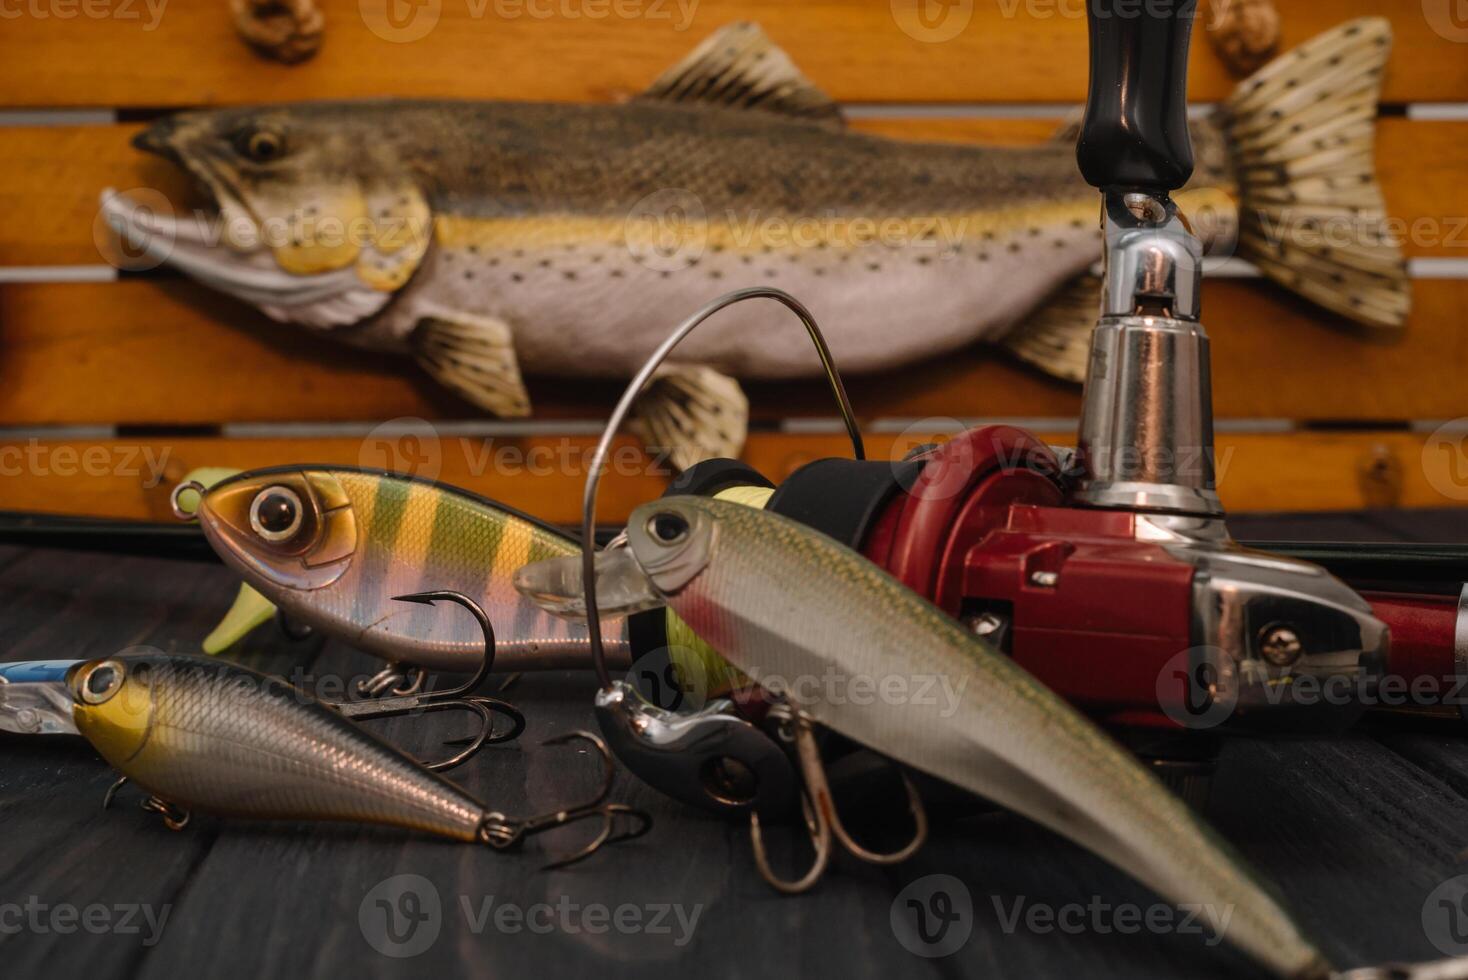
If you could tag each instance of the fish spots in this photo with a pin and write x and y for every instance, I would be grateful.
(516, 277)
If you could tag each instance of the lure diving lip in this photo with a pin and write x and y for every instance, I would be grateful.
(330, 546)
(34, 698)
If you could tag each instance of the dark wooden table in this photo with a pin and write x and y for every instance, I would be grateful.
(1356, 832)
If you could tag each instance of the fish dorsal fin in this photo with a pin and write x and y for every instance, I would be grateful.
(738, 67)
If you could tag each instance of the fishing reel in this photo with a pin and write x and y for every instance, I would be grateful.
(1106, 571)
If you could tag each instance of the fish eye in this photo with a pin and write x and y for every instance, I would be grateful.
(261, 145)
(667, 528)
(101, 681)
(275, 513)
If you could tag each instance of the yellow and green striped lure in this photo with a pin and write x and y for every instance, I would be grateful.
(331, 546)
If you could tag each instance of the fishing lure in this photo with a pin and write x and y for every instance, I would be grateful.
(210, 736)
(33, 698)
(783, 603)
(330, 546)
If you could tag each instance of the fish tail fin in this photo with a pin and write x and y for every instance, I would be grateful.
(1301, 132)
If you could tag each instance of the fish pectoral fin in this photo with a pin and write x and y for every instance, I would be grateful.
(1056, 338)
(475, 357)
(739, 67)
(692, 412)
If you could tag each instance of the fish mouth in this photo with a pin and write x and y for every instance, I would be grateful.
(622, 587)
(202, 246)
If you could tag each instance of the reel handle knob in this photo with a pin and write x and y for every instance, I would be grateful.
(1135, 131)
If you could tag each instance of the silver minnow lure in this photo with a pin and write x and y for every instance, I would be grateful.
(787, 605)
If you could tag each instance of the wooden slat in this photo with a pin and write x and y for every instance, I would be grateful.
(1013, 50)
(131, 478)
(51, 177)
(140, 352)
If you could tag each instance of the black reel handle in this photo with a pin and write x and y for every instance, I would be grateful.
(1135, 133)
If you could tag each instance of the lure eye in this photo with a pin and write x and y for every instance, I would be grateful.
(261, 145)
(101, 682)
(667, 528)
(275, 514)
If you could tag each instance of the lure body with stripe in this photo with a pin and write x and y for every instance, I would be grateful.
(787, 605)
(214, 737)
(366, 536)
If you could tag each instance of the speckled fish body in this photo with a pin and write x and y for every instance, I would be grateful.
(367, 536)
(210, 736)
(583, 228)
(788, 605)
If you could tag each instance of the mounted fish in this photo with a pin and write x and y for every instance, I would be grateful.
(807, 618)
(487, 239)
(331, 546)
(211, 736)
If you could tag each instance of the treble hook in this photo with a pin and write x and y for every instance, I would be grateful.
(821, 818)
(455, 699)
(502, 832)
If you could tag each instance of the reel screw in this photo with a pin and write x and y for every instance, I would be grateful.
(1280, 645)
